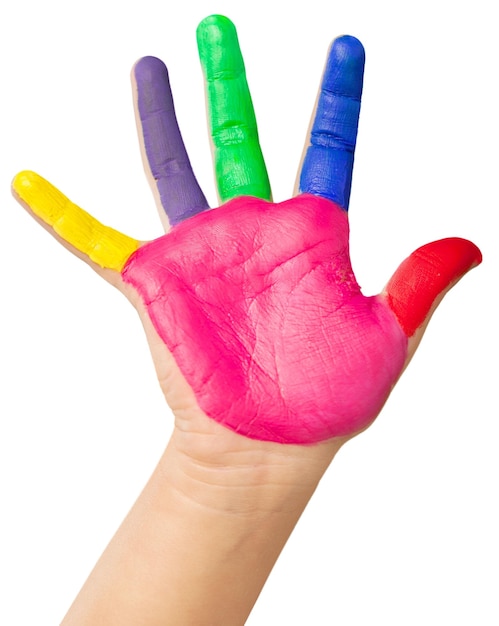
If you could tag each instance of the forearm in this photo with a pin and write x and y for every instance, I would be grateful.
(202, 538)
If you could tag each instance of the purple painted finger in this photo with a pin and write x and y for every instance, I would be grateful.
(166, 157)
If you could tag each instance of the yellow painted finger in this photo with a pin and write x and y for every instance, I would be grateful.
(105, 246)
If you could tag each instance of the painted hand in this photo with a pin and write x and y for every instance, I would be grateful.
(257, 302)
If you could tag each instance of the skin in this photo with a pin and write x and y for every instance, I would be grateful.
(260, 337)
(272, 334)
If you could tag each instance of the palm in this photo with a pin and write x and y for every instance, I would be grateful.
(272, 333)
(256, 301)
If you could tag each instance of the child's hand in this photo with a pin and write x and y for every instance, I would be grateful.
(257, 302)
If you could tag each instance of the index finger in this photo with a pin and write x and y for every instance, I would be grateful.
(328, 163)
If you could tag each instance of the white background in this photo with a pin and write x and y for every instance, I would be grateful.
(403, 528)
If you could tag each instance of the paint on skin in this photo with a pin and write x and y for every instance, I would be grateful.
(258, 302)
(424, 275)
(328, 164)
(271, 332)
(103, 245)
(178, 189)
(239, 165)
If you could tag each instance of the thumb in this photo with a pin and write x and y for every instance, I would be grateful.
(421, 281)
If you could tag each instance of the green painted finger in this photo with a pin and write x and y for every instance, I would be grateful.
(239, 166)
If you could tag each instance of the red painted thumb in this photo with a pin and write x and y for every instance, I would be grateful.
(423, 276)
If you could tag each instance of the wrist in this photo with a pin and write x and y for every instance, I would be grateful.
(202, 538)
(219, 469)
(234, 507)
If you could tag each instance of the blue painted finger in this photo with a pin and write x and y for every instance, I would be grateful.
(167, 160)
(328, 163)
